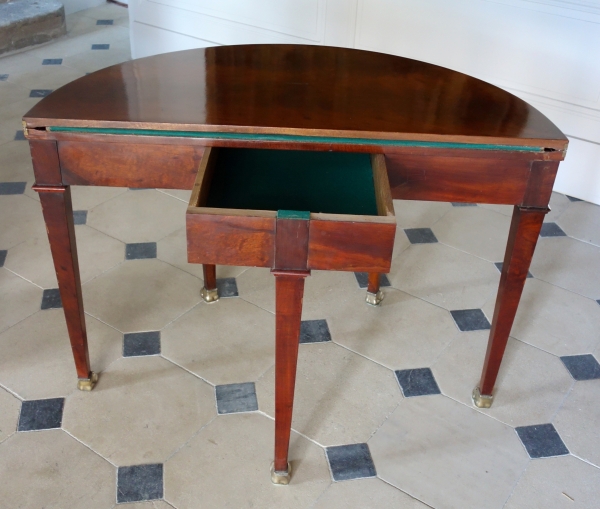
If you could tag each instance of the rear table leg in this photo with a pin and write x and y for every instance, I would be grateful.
(209, 291)
(374, 294)
(289, 290)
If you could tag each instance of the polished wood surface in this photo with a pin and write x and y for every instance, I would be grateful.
(302, 90)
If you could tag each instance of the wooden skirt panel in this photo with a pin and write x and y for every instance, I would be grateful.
(129, 164)
(458, 179)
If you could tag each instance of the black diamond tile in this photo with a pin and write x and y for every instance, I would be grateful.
(461, 204)
(104, 22)
(140, 188)
(52, 61)
(140, 482)
(417, 382)
(314, 331)
(582, 367)
(351, 461)
(551, 230)
(80, 216)
(41, 414)
(140, 251)
(100, 46)
(2, 257)
(227, 287)
(598, 301)
(362, 278)
(38, 92)
(3, 77)
(136, 344)
(470, 319)
(541, 441)
(572, 198)
(420, 235)
(19, 136)
(51, 299)
(499, 267)
(12, 187)
(234, 398)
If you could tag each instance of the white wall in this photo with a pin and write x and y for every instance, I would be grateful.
(545, 51)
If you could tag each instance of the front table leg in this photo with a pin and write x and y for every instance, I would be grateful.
(289, 290)
(524, 232)
(374, 294)
(58, 214)
(210, 292)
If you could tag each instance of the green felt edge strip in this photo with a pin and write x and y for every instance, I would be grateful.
(293, 214)
(294, 138)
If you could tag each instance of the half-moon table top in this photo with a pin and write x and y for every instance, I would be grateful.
(292, 90)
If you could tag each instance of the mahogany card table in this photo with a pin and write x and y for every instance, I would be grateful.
(294, 154)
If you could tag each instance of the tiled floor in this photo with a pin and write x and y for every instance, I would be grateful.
(183, 413)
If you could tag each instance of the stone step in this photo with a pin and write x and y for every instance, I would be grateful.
(27, 22)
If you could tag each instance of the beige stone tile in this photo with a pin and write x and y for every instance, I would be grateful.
(506, 210)
(180, 194)
(51, 469)
(568, 263)
(173, 250)
(141, 295)
(97, 253)
(94, 60)
(559, 203)
(18, 299)
(15, 162)
(257, 285)
(10, 408)
(20, 218)
(553, 319)
(577, 421)
(138, 216)
(365, 494)
(80, 23)
(227, 465)
(37, 361)
(403, 332)
(230, 341)
(108, 11)
(530, 387)
(9, 126)
(151, 504)
(88, 197)
(141, 411)
(475, 230)
(441, 452)
(11, 92)
(419, 214)
(444, 276)
(341, 397)
(49, 77)
(16, 110)
(582, 221)
(17, 63)
(557, 483)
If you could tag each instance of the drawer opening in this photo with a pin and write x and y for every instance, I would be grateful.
(317, 182)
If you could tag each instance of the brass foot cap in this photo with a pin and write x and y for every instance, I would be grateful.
(374, 298)
(482, 400)
(87, 384)
(280, 477)
(209, 295)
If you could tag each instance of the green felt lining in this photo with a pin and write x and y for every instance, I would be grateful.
(294, 138)
(293, 214)
(291, 180)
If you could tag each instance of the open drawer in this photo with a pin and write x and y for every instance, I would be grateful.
(241, 195)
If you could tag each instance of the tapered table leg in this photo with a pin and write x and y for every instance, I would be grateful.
(209, 292)
(289, 289)
(374, 294)
(58, 214)
(524, 232)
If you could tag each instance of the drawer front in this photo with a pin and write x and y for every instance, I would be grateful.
(231, 240)
(352, 246)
